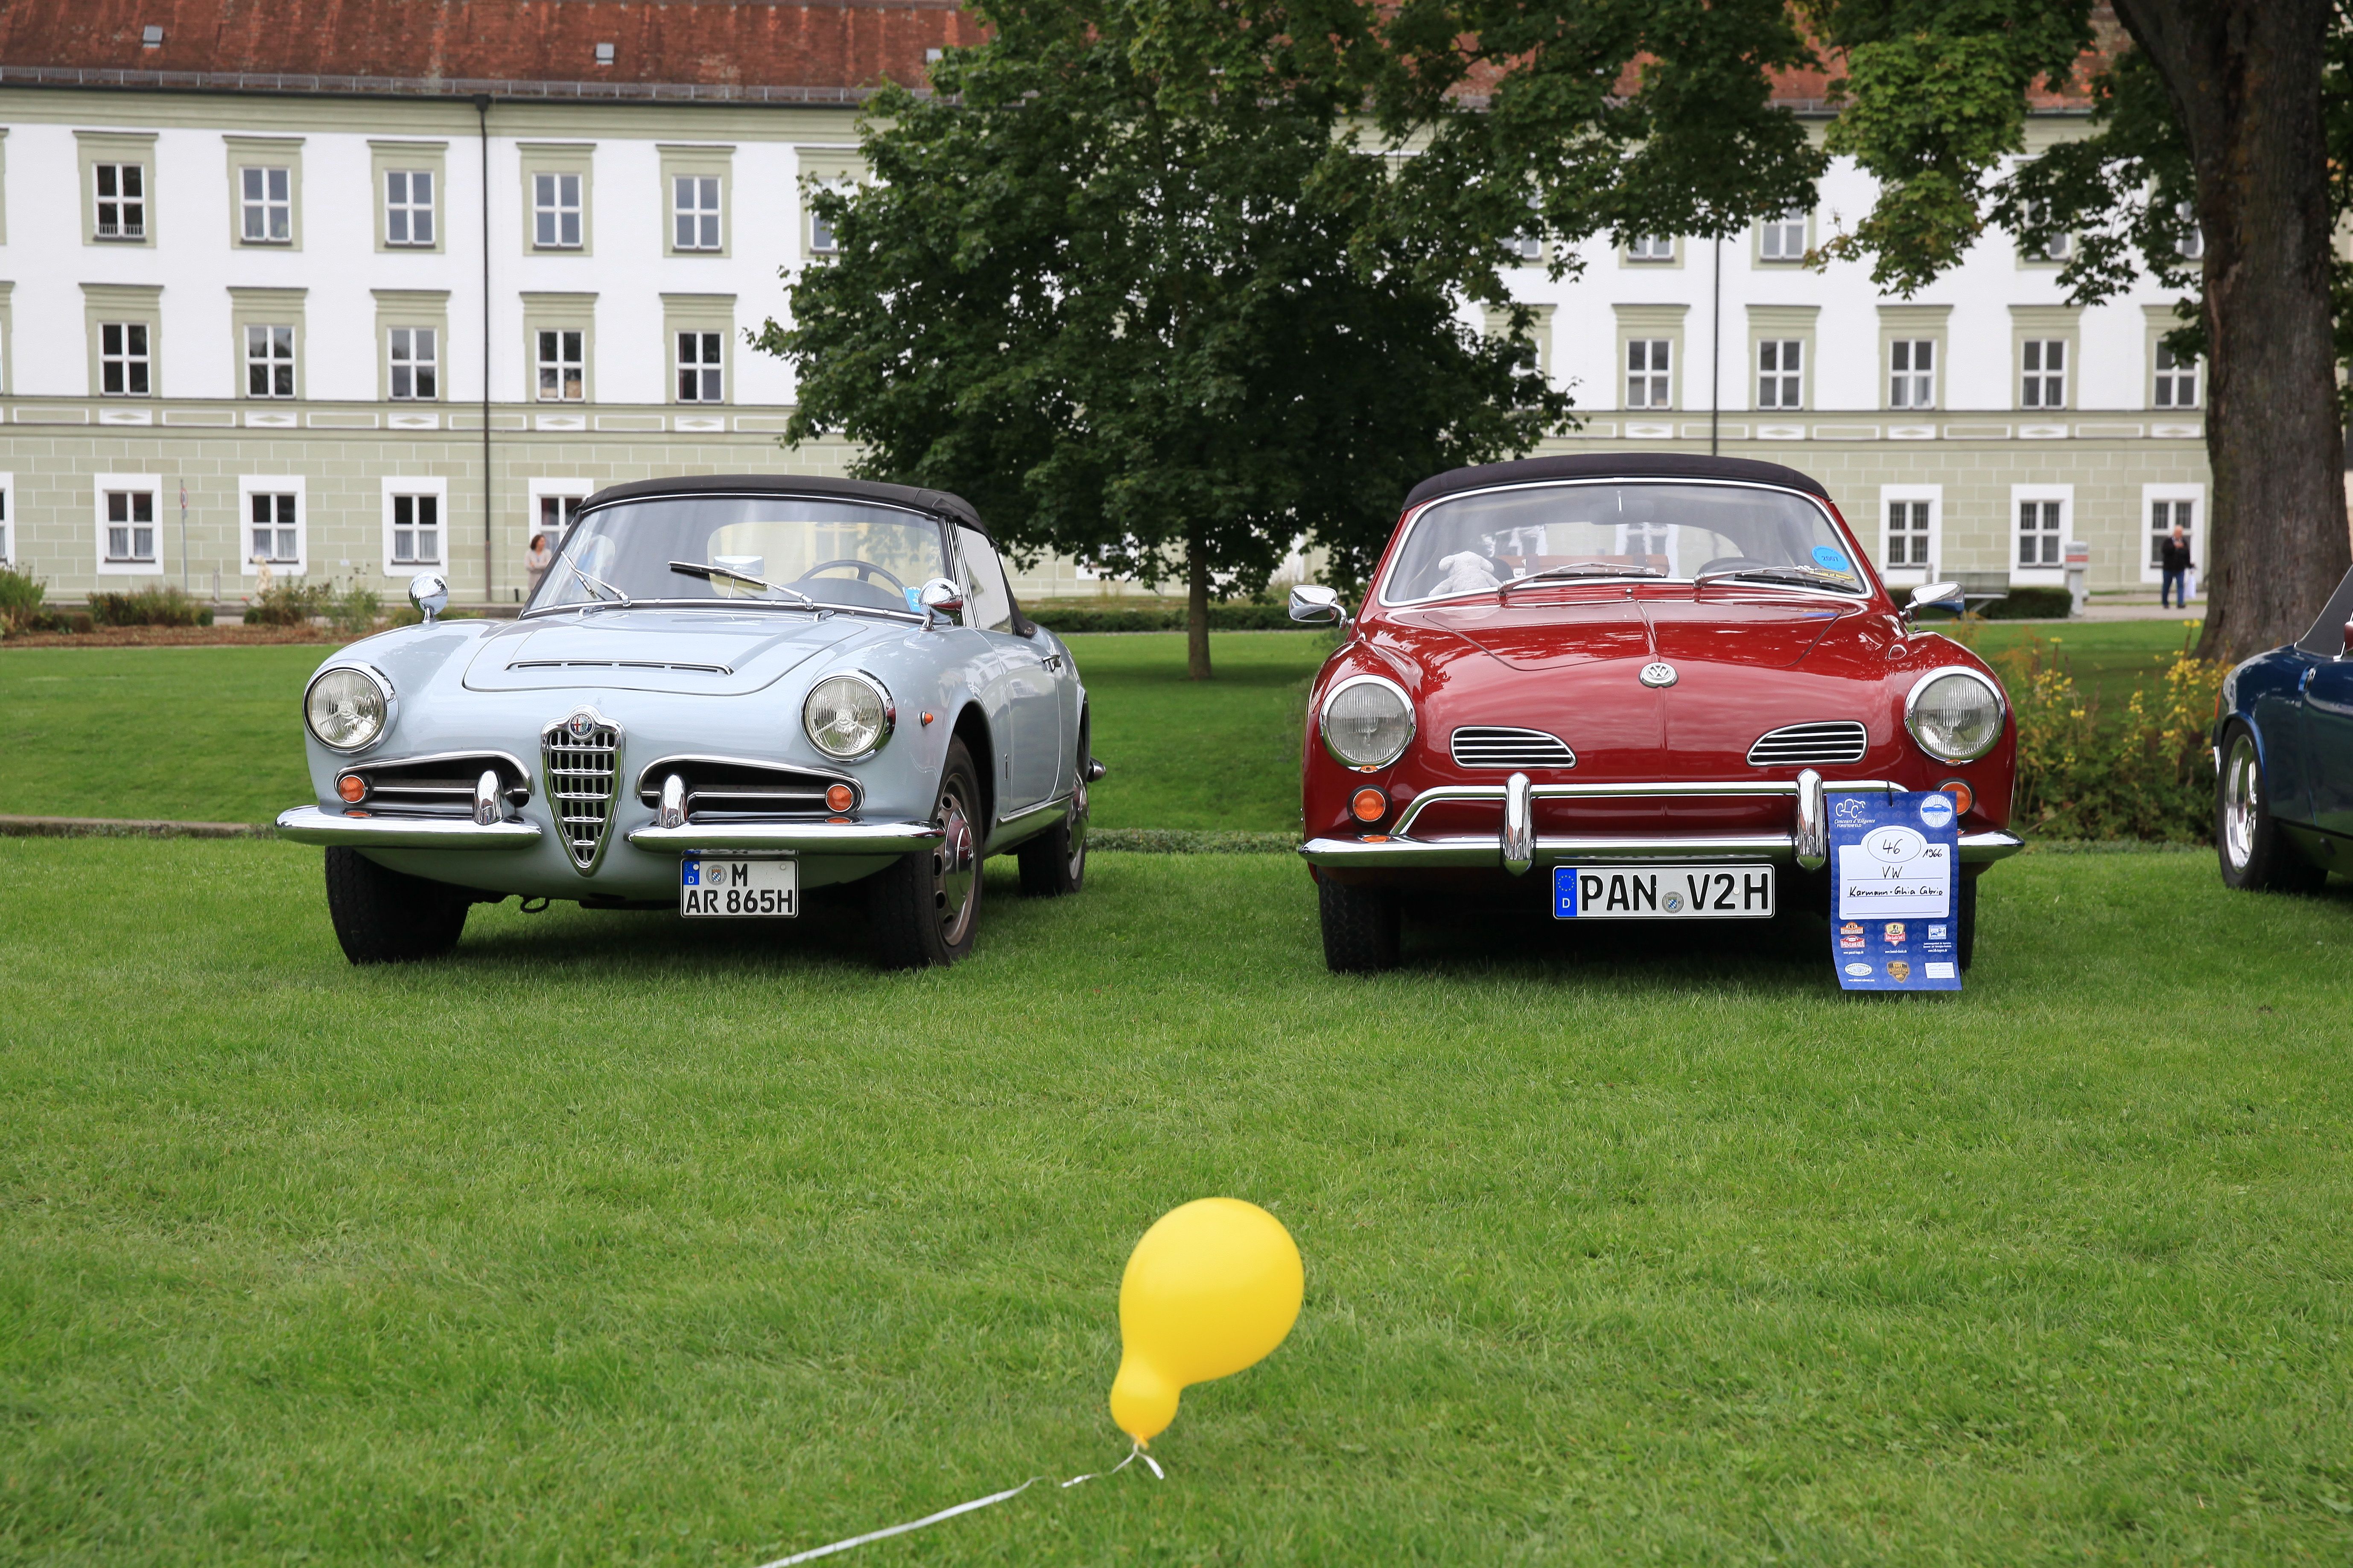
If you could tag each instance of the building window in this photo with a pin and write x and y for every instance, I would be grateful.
(122, 361)
(555, 212)
(268, 361)
(2039, 527)
(1912, 372)
(417, 530)
(122, 200)
(699, 378)
(274, 534)
(694, 212)
(131, 526)
(821, 241)
(1783, 239)
(416, 363)
(2163, 517)
(408, 207)
(1649, 371)
(267, 197)
(562, 378)
(1781, 372)
(2045, 385)
(1651, 248)
(556, 515)
(1907, 533)
(2177, 380)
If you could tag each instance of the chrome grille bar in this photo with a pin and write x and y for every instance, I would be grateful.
(1826, 741)
(581, 754)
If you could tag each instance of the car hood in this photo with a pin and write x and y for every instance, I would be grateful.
(1768, 633)
(704, 653)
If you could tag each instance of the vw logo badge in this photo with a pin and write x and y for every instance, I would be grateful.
(1658, 672)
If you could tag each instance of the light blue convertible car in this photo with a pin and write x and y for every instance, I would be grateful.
(727, 691)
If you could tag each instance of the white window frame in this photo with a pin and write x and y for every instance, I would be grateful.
(680, 369)
(270, 362)
(537, 491)
(815, 225)
(1646, 256)
(695, 220)
(99, 486)
(2044, 376)
(393, 364)
(1650, 375)
(410, 206)
(1778, 377)
(2192, 371)
(1909, 574)
(547, 203)
(126, 359)
(1910, 347)
(540, 364)
(2052, 574)
(250, 484)
(435, 486)
(2149, 496)
(7, 519)
(256, 209)
(123, 233)
(1775, 236)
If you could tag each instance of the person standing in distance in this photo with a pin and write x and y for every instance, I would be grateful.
(540, 559)
(2173, 556)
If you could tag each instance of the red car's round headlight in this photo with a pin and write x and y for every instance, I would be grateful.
(1954, 714)
(1368, 721)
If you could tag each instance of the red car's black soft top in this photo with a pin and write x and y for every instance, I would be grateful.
(1613, 466)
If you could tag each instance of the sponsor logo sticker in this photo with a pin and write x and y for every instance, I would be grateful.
(1858, 970)
(1895, 933)
(1898, 971)
(1832, 560)
(1937, 810)
(1938, 971)
(1935, 933)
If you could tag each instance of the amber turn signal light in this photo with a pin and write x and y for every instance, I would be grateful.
(1963, 795)
(839, 798)
(351, 787)
(1369, 805)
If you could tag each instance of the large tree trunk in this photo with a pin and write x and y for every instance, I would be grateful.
(1197, 609)
(2244, 76)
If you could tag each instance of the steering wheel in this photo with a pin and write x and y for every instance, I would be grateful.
(1732, 564)
(861, 569)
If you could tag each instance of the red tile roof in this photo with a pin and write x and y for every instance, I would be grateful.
(726, 43)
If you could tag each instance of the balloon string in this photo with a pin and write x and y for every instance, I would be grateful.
(815, 1553)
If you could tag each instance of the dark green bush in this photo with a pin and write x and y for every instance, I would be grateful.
(2031, 604)
(20, 600)
(353, 611)
(165, 606)
(288, 605)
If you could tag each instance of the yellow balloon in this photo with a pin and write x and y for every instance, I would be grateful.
(1211, 1289)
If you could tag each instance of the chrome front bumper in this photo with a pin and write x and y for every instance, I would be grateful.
(309, 825)
(1517, 847)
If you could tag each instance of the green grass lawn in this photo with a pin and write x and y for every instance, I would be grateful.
(2108, 658)
(610, 1241)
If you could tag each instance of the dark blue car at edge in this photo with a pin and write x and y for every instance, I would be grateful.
(2284, 749)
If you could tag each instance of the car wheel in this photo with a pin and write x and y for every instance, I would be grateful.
(389, 917)
(1965, 921)
(1054, 864)
(2255, 855)
(925, 907)
(1360, 927)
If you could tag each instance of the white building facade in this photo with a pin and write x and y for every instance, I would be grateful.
(355, 334)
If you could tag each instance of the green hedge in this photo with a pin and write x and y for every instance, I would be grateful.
(1071, 618)
(165, 606)
(2032, 604)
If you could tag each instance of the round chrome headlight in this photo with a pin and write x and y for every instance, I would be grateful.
(848, 716)
(347, 708)
(1368, 721)
(1954, 714)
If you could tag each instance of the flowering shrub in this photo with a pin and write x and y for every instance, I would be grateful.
(2147, 773)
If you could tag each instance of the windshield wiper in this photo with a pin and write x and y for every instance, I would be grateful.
(594, 584)
(1578, 569)
(1797, 575)
(709, 573)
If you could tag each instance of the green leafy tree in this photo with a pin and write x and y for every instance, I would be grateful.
(2225, 117)
(1121, 282)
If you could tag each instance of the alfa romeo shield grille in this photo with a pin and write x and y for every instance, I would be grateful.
(1830, 741)
(582, 754)
(1503, 746)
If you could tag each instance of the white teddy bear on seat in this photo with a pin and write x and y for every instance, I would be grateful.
(1467, 573)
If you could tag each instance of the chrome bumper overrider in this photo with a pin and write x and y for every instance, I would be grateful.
(800, 837)
(1517, 847)
(309, 825)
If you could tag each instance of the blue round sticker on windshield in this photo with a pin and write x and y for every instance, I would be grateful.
(1827, 557)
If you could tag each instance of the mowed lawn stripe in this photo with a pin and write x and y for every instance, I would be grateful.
(615, 1239)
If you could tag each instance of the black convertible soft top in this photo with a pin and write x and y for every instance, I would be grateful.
(2326, 637)
(1613, 466)
(939, 503)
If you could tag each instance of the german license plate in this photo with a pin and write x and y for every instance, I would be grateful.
(1662, 892)
(738, 886)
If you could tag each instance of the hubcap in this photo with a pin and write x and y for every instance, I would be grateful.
(2241, 799)
(955, 867)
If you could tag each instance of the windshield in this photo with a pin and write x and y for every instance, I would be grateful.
(1573, 532)
(843, 554)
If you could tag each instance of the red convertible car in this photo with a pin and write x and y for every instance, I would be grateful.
(1643, 676)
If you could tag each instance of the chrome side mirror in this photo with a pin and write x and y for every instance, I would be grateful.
(1942, 596)
(936, 597)
(429, 593)
(1315, 604)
